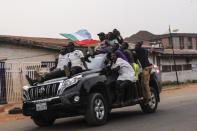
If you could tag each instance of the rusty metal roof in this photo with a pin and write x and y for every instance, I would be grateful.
(48, 43)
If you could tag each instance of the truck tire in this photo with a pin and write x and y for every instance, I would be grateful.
(97, 110)
(151, 107)
(43, 122)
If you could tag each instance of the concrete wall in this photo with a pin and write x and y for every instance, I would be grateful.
(183, 76)
(13, 52)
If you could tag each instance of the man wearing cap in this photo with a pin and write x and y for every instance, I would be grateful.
(118, 36)
(103, 46)
(112, 39)
(119, 53)
(142, 55)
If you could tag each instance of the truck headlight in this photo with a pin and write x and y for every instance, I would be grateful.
(25, 95)
(69, 82)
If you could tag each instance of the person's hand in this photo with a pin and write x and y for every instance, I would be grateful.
(87, 60)
(106, 61)
(116, 69)
(105, 71)
(67, 71)
(52, 68)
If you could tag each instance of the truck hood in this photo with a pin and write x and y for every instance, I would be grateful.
(85, 73)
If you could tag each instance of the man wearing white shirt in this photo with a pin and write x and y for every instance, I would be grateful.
(77, 59)
(61, 69)
(126, 76)
(63, 61)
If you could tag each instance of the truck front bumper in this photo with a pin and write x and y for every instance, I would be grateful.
(57, 106)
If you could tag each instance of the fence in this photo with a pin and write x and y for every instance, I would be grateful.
(2, 84)
(12, 78)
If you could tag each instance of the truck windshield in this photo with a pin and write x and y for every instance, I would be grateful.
(96, 62)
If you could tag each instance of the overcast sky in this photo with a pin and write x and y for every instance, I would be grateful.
(48, 18)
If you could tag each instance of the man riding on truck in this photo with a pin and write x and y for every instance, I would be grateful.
(126, 76)
(142, 56)
(70, 62)
(77, 59)
(63, 63)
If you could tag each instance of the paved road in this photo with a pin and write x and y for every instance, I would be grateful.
(177, 112)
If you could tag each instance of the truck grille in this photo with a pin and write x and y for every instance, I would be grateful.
(43, 92)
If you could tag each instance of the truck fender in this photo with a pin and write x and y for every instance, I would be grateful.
(91, 80)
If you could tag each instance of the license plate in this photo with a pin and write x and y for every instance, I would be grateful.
(41, 107)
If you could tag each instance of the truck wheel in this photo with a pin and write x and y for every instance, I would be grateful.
(97, 110)
(151, 107)
(43, 122)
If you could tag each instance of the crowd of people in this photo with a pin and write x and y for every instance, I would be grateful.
(125, 62)
(119, 59)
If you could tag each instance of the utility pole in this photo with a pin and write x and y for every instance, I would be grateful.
(171, 42)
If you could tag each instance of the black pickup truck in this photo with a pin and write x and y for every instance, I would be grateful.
(90, 93)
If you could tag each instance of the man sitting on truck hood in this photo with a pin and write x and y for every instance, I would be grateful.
(77, 59)
(61, 69)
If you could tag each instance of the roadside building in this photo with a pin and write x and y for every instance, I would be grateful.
(161, 53)
(186, 64)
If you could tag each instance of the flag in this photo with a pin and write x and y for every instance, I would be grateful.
(81, 37)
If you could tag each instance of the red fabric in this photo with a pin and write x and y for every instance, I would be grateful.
(86, 42)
